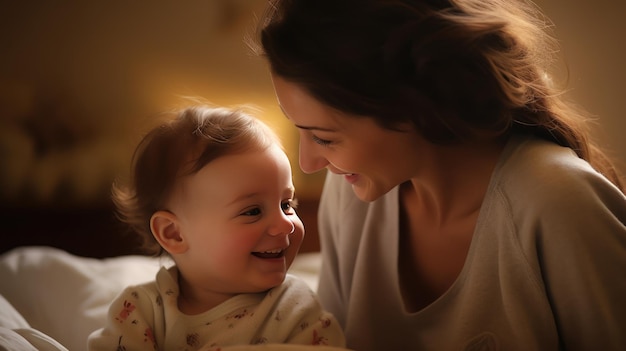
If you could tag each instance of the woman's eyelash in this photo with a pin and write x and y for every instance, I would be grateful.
(322, 142)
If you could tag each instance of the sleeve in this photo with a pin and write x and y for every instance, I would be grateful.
(329, 286)
(581, 247)
(130, 323)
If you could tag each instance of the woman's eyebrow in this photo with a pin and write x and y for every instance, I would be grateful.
(313, 128)
(321, 129)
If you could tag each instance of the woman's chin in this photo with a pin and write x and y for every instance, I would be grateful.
(368, 194)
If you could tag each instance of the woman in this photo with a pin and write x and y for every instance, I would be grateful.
(465, 207)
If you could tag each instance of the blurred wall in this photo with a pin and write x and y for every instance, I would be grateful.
(593, 49)
(80, 80)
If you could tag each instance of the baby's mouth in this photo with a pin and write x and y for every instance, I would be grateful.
(278, 253)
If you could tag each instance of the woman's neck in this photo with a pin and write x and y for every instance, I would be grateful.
(454, 179)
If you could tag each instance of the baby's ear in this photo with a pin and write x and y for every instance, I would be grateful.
(166, 230)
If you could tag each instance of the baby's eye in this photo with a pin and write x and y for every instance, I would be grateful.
(320, 141)
(289, 205)
(251, 212)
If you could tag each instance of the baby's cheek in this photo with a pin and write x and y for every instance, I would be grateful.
(237, 245)
(298, 233)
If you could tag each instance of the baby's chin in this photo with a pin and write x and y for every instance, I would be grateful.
(272, 281)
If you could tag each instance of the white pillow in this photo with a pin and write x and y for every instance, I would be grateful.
(67, 296)
(10, 318)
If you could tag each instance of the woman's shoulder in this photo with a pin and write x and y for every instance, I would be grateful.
(542, 169)
(540, 179)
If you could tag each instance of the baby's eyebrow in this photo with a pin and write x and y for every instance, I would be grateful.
(243, 197)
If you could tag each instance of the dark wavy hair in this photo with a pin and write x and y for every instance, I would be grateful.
(456, 69)
(188, 140)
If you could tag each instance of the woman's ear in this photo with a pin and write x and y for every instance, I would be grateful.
(166, 230)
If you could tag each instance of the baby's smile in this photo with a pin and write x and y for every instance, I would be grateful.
(277, 253)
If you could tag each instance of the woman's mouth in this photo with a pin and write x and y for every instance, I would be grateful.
(351, 177)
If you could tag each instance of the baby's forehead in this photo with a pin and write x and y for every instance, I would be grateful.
(252, 157)
(254, 170)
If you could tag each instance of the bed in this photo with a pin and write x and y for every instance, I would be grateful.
(61, 267)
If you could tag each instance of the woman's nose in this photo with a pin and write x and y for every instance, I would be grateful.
(310, 158)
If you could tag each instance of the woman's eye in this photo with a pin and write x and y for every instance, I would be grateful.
(251, 212)
(322, 142)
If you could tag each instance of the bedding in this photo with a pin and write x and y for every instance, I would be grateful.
(52, 300)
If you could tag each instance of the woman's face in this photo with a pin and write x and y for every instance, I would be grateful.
(371, 158)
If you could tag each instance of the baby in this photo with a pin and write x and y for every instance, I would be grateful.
(212, 188)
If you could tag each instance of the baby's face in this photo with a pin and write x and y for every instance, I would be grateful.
(237, 217)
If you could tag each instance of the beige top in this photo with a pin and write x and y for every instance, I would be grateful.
(546, 269)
